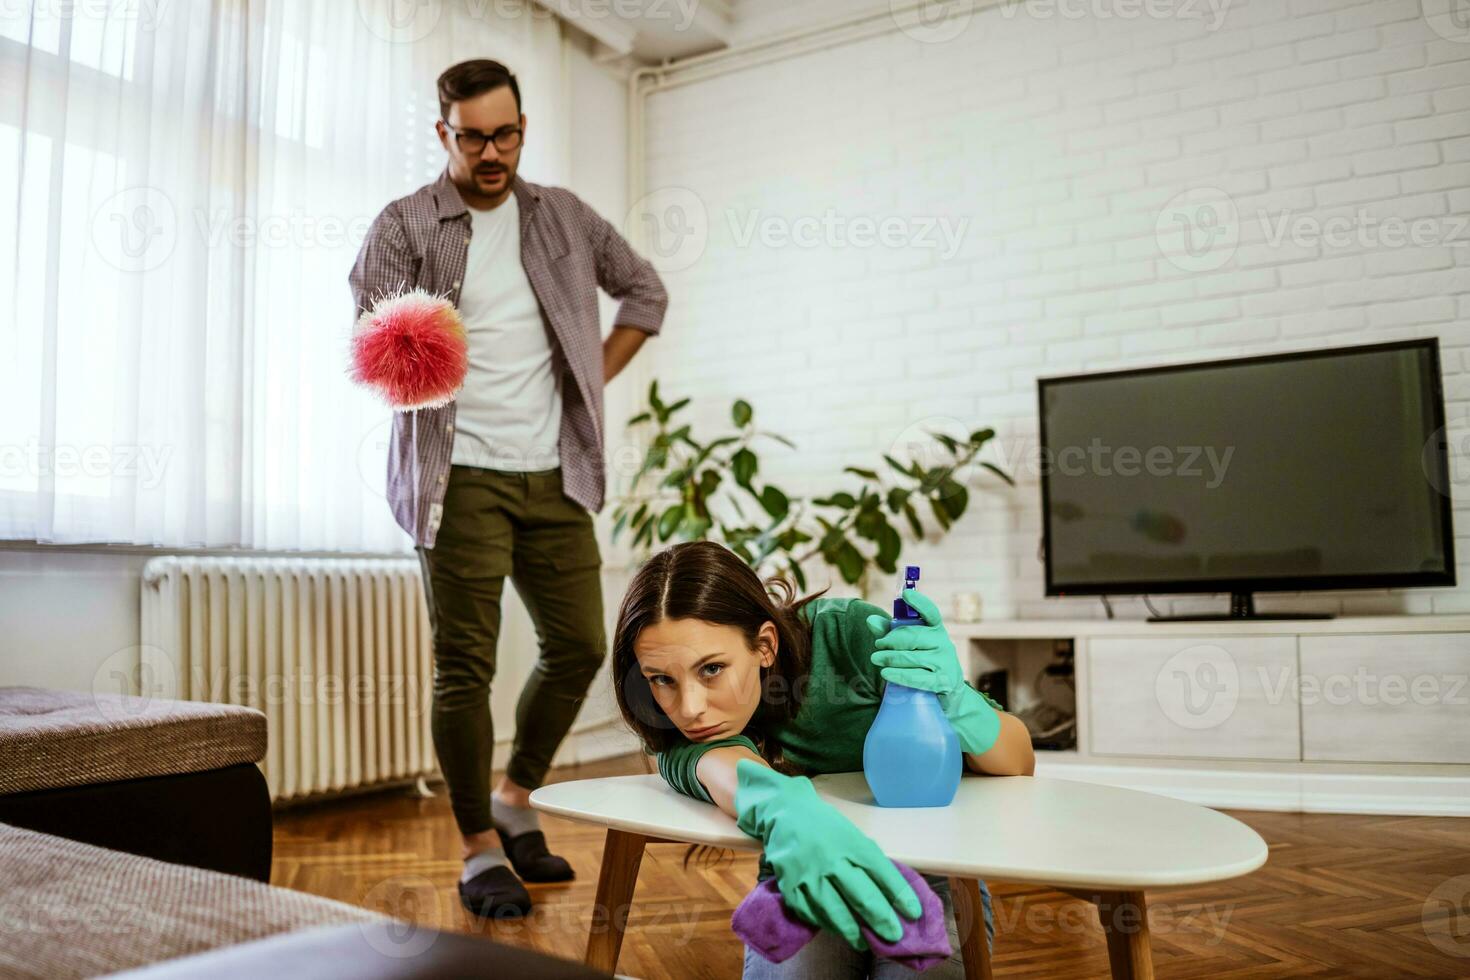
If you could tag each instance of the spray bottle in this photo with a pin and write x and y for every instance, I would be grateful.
(912, 755)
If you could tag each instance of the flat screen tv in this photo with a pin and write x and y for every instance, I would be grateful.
(1322, 469)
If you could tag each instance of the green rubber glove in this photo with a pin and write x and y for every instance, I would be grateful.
(825, 867)
(924, 657)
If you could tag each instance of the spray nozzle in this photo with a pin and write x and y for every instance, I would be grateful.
(901, 609)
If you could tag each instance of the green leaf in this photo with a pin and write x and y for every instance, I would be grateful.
(897, 465)
(999, 472)
(850, 562)
(645, 533)
(670, 410)
(775, 502)
(711, 447)
(949, 441)
(797, 574)
(653, 398)
(657, 455)
(844, 500)
(640, 417)
(914, 523)
(831, 539)
(897, 496)
(954, 497)
(889, 546)
(741, 413)
(869, 524)
(859, 471)
(668, 522)
(981, 436)
(744, 464)
(781, 439)
(940, 514)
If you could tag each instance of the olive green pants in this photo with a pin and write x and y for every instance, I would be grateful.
(494, 524)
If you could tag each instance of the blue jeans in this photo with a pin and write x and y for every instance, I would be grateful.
(828, 957)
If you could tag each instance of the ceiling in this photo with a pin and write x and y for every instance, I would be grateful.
(650, 32)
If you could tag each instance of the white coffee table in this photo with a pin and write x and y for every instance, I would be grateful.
(1100, 843)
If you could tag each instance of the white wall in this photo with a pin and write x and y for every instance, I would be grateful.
(1056, 142)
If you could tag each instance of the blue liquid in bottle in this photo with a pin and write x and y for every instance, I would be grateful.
(911, 756)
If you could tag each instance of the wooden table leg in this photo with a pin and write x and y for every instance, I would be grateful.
(969, 917)
(1124, 918)
(622, 853)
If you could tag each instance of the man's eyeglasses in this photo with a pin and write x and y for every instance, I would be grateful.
(506, 138)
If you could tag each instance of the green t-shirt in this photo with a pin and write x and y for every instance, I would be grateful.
(842, 697)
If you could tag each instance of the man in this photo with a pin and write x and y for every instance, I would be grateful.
(504, 480)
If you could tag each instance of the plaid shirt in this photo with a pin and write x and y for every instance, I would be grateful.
(567, 250)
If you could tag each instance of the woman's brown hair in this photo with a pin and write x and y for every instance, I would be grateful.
(706, 581)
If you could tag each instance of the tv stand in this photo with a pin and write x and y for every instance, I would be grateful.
(1242, 606)
(1357, 714)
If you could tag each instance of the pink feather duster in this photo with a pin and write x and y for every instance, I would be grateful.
(411, 349)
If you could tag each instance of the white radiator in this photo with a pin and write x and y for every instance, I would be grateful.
(337, 652)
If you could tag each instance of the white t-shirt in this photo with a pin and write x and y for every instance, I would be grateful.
(508, 415)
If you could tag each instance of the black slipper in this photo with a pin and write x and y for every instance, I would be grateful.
(529, 856)
(495, 893)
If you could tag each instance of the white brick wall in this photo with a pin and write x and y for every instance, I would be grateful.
(1053, 142)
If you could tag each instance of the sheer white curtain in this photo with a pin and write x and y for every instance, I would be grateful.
(185, 185)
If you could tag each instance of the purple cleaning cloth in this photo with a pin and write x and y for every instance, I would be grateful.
(767, 926)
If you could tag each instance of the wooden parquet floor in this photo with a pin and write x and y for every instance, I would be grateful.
(1341, 896)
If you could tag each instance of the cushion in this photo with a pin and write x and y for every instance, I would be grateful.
(74, 910)
(387, 950)
(71, 738)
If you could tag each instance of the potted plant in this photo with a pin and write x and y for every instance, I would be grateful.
(687, 489)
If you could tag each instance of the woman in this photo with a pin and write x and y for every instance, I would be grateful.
(742, 691)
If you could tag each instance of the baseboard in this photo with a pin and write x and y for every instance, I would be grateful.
(1305, 792)
(589, 742)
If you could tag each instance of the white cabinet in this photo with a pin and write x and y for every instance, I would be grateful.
(1386, 698)
(1194, 697)
(1365, 714)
